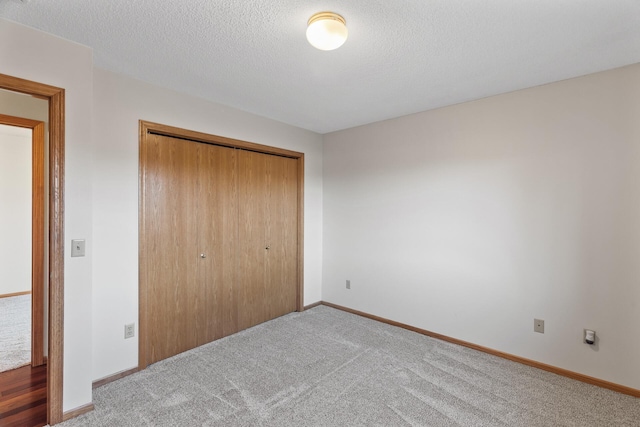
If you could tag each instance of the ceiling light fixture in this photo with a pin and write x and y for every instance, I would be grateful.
(327, 31)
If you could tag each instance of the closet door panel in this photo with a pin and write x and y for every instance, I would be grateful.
(252, 216)
(282, 236)
(217, 236)
(175, 304)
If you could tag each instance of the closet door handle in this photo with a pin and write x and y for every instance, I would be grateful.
(203, 255)
(268, 247)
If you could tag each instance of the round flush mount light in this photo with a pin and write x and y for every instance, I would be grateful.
(327, 31)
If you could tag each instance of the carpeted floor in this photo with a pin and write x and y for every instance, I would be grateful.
(325, 367)
(15, 332)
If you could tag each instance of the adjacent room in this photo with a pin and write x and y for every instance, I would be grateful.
(320, 213)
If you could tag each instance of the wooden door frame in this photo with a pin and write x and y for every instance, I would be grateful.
(37, 232)
(145, 128)
(55, 97)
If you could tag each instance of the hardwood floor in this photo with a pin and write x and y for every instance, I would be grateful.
(23, 397)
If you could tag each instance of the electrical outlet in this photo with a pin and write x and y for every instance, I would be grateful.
(129, 330)
(538, 325)
(348, 284)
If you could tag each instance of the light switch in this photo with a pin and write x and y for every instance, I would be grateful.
(77, 247)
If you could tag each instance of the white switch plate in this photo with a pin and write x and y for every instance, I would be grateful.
(77, 247)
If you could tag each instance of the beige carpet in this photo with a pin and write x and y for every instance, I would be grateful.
(15, 332)
(325, 367)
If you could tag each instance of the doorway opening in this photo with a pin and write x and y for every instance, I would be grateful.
(22, 249)
(55, 99)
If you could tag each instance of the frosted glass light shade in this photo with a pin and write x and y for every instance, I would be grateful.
(327, 31)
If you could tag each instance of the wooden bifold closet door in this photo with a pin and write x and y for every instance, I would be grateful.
(267, 237)
(219, 242)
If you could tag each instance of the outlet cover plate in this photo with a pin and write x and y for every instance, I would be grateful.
(129, 330)
(538, 325)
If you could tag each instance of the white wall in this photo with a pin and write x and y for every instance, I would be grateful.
(25, 106)
(40, 57)
(471, 220)
(119, 102)
(15, 210)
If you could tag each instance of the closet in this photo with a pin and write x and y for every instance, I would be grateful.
(220, 237)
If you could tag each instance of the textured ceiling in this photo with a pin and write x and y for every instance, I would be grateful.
(401, 57)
